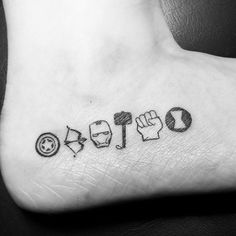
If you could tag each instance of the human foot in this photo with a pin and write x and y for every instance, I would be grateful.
(73, 63)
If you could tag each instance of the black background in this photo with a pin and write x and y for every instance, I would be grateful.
(202, 25)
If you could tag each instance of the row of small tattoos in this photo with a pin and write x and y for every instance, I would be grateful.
(149, 125)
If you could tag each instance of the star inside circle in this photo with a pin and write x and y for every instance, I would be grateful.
(47, 145)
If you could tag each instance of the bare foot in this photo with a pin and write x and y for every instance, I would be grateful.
(74, 66)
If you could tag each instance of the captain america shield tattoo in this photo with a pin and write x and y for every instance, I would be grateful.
(47, 145)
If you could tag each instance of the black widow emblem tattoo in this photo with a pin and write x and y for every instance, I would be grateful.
(178, 120)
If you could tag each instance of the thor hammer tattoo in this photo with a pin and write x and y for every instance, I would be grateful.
(123, 119)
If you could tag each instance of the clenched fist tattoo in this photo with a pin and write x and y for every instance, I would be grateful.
(149, 126)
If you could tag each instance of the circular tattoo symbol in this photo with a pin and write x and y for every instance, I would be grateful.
(178, 119)
(47, 145)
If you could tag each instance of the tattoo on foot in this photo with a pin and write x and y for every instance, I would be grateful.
(178, 119)
(149, 126)
(74, 141)
(123, 119)
(100, 133)
(47, 145)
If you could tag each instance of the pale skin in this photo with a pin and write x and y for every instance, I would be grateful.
(75, 62)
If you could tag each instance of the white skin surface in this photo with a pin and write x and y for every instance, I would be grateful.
(78, 61)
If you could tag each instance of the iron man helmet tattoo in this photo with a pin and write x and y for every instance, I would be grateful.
(100, 133)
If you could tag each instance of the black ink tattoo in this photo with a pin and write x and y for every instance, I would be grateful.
(123, 119)
(74, 141)
(178, 119)
(47, 145)
(149, 126)
(100, 133)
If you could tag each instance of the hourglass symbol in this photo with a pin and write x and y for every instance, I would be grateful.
(178, 119)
